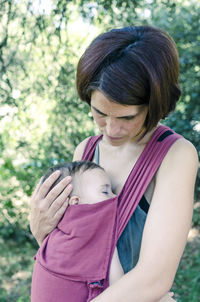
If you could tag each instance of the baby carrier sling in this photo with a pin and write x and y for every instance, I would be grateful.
(79, 251)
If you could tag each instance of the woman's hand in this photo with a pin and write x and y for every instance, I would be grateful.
(168, 298)
(48, 207)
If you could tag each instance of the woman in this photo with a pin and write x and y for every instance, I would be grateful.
(129, 77)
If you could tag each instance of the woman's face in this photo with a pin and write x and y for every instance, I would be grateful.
(118, 123)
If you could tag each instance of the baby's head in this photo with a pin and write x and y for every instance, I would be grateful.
(90, 182)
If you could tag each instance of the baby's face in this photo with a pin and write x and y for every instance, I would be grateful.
(93, 186)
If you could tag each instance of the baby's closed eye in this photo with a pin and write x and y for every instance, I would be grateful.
(106, 193)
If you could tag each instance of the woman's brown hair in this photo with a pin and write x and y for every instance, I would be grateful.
(132, 66)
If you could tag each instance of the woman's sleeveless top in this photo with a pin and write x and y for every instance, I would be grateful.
(129, 243)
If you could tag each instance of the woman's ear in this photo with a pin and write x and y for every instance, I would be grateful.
(74, 200)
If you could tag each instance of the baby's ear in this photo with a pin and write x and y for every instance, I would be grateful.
(74, 200)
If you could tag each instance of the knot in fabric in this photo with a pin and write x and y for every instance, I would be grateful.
(95, 289)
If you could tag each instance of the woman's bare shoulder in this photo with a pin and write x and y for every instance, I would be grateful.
(181, 159)
(80, 149)
(183, 151)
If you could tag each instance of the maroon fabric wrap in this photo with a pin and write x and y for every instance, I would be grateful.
(79, 251)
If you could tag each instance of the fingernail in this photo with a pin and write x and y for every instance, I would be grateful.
(57, 172)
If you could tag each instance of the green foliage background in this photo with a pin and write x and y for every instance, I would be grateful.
(42, 119)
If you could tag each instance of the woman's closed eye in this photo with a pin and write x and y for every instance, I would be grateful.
(98, 112)
(128, 118)
(101, 115)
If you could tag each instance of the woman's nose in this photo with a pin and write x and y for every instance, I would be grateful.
(112, 127)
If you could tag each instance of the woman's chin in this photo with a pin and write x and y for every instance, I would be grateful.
(115, 141)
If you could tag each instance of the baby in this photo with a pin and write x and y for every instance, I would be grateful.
(91, 184)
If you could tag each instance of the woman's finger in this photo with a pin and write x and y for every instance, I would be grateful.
(58, 215)
(57, 190)
(36, 189)
(45, 187)
(168, 298)
(60, 201)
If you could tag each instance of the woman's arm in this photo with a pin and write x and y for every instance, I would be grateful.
(165, 232)
(48, 208)
(80, 149)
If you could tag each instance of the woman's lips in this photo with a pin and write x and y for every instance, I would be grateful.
(114, 138)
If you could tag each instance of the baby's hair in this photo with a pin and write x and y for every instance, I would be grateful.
(70, 169)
